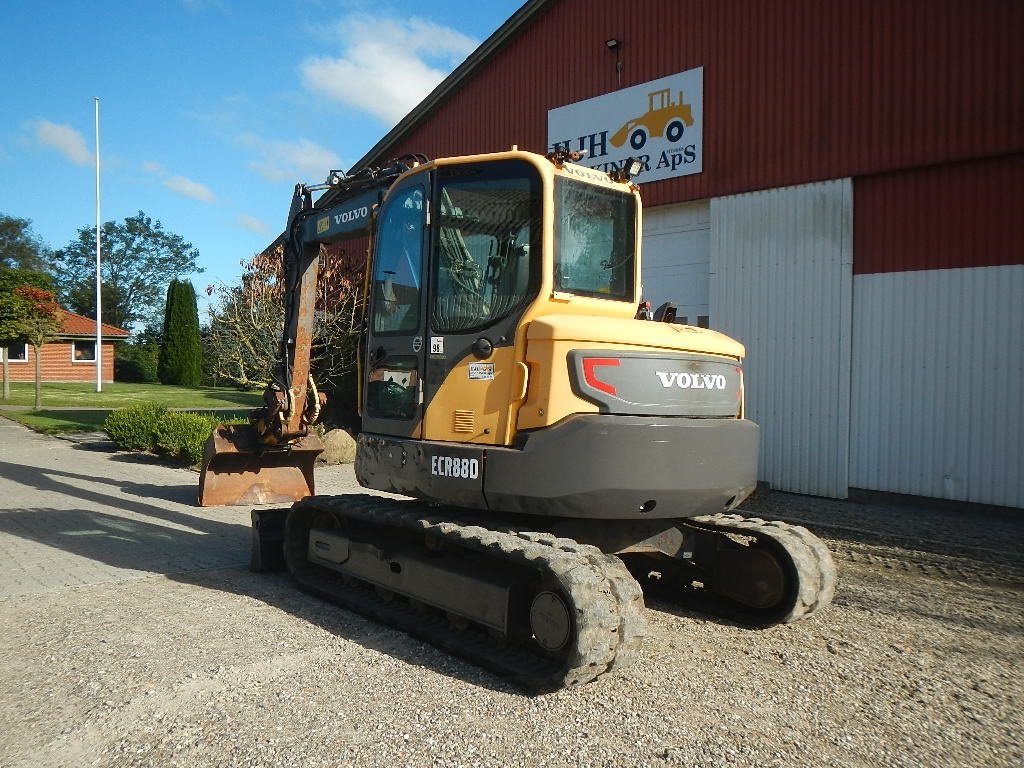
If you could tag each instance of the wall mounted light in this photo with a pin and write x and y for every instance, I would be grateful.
(613, 44)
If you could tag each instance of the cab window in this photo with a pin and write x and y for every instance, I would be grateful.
(488, 245)
(398, 268)
(595, 233)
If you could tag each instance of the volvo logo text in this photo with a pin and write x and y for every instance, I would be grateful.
(671, 379)
(354, 215)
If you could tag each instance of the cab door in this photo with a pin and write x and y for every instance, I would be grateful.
(393, 370)
(484, 273)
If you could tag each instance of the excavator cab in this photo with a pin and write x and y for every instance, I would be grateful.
(496, 254)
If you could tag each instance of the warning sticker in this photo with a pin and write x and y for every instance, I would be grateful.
(481, 371)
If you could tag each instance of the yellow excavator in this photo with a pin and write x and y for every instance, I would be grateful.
(563, 457)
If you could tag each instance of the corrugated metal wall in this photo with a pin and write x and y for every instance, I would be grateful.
(794, 91)
(781, 282)
(938, 362)
(675, 258)
(938, 358)
(959, 215)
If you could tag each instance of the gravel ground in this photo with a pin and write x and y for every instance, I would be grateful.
(138, 662)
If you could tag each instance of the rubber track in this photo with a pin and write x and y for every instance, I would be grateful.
(627, 591)
(816, 575)
(607, 602)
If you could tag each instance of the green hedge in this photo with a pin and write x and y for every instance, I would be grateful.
(181, 436)
(178, 435)
(132, 428)
(136, 363)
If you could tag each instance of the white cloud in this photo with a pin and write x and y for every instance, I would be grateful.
(252, 224)
(190, 188)
(65, 140)
(179, 184)
(387, 67)
(299, 160)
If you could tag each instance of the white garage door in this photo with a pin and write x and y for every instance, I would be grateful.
(676, 257)
(783, 285)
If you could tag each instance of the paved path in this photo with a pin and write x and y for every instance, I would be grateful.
(77, 512)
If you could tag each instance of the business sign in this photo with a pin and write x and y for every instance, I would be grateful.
(660, 123)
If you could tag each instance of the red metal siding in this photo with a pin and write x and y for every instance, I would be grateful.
(941, 217)
(794, 91)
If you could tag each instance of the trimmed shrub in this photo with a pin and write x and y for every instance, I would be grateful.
(181, 435)
(132, 428)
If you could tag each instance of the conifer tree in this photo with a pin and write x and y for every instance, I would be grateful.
(181, 357)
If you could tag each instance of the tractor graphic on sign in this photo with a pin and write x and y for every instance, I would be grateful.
(664, 117)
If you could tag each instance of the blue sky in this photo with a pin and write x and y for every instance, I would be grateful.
(210, 110)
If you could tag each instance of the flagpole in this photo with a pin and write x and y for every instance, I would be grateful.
(99, 331)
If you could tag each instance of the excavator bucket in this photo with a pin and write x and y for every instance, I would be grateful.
(239, 471)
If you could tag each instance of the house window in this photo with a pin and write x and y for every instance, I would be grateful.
(83, 351)
(17, 353)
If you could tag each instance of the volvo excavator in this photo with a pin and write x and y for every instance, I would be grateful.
(563, 458)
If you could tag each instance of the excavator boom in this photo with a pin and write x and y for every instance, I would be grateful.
(271, 459)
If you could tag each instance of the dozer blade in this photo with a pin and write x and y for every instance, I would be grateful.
(239, 471)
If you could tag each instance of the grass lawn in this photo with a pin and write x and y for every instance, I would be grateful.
(117, 395)
(80, 408)
(59, 422)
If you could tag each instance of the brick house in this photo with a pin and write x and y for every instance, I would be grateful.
(72, 357)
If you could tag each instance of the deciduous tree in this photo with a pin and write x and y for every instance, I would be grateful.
(12, 311)
(20, 247)
(138, 261)
(243, 342)
(40, 324)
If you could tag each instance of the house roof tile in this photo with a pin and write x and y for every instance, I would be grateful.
(77, 325)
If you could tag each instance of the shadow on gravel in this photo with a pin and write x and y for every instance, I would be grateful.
(181, 494)
(996, 624)
(280, 591)
(989, 537)
(96, 442)
(142, 458)
(666, 605)
(140, 536)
